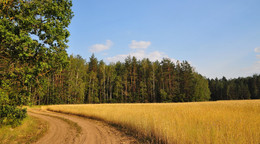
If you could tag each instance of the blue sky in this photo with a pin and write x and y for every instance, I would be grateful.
(218, 37)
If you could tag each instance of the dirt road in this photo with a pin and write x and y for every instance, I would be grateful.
(68, 129)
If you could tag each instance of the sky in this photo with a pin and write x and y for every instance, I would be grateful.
(217, 37)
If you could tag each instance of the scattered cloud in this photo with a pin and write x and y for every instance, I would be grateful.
(253, 69)
(139, 44)
(104, 54)
(257, 49)
(256, 66)
(101, 47)
(117, 58)
(140, 54)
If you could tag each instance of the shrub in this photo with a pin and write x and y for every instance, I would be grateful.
(11, 115)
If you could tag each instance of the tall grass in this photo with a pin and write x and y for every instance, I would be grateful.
(201, 122)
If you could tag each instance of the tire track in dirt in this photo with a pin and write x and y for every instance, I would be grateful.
(58, 132)
(92, 131)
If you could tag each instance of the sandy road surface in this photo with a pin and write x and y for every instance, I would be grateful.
(92, 132)
(59, 131)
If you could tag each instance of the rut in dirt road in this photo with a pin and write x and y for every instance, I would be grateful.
(59, 131)
(92, 131)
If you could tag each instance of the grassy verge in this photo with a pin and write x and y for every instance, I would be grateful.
(201, 122)
(30, 131)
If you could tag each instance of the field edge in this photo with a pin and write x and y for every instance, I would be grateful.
(128, 131)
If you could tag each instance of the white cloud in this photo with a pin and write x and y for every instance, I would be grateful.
(101, 47)
(117, 58)
(256, 67)
(140, 54)
(139, 44)
(253, 69)
(257, 49)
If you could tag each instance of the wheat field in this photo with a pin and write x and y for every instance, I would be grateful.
(218, 122)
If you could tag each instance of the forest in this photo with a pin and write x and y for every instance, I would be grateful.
(138, 81)
(234, 89)
(132, 81)
(35, 68)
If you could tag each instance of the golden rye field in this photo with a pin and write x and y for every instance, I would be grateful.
(218, 122)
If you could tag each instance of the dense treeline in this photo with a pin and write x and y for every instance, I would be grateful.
(138, 81)
(233, 89)
(122, 82)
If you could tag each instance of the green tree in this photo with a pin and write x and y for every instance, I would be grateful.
(186, 82)
(102, 80)
(33, 36)
(201, 89)
(155, 81)
(93, 87)
(134, 75)
(118, 87)
(76, 79)
(111, 75)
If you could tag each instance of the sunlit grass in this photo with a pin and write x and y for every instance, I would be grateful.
(29, 131)
(235, 122)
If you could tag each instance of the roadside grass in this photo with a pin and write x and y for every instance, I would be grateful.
(197, 122)
(29, 131)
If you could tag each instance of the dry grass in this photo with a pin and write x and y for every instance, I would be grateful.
(30, 131)
(222, 122)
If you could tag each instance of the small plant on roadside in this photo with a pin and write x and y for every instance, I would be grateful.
(11, 115)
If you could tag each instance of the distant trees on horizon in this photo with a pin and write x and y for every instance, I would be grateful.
(138, 81)
(130, 81)
(233, 89)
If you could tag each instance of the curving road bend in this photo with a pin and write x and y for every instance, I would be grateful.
(92, 131)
